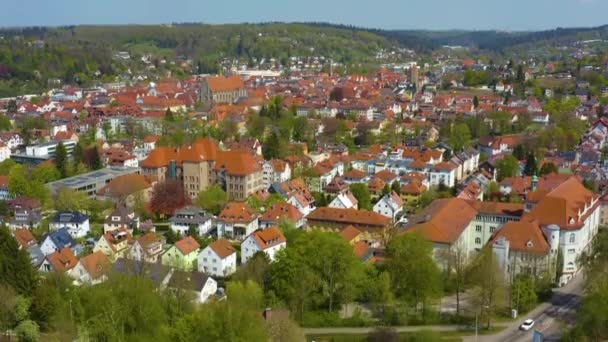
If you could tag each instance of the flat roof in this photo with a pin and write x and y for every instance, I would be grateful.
(93, 177)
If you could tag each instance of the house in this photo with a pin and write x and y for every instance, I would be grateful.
(114, 244)
(91, 269)
(345, 200)
(56, 240)
(220, 89)
(77, 224)
(269, 241)
(351, 235)
(390, 205)
(62, 261)
(218, 259)
(147, 248)
(296, 193)
(5, 152)
(190, 217)
(182, 255)
(127, 189)
(279, 211)
(200, 284)
(275, 171)
(443, 173)
(25, 218)
(494, 145)
(336, 219)
(236, 221)
(24, 238)
(121, 217)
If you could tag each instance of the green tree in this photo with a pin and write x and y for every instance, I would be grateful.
(5, 123)
(414, 274)
(45, 173)
(67, 199)
(6, 166)
(361, 193)
(212, 199)
(489, 285)
(96, 162)
(396, 187)
(475, 101)
(17, 182)
(274, 147)
(531, 167)
(28, 331)
(61, 160)
(519, 153)
(15, 266)
(11, 106)
(78, 154)
(460, 137)
(507, 167)
(523, 293)
(548, 168)
(169, 115)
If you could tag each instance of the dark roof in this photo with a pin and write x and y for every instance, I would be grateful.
(155, 272)
(61, 238)
(194, 281)
(69, 217)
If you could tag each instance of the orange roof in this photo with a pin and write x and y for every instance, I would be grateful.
(24, 237)
(444, 220)
(279, 210)
(348, 216)
(96, 264)
(187, 245)
(220, 83)
(150, 138)
(148, 239)
(349, 233)
(269, 237)
(386, 175)
(523, 236)
(360, 249)
(498, 208)
(222, 248)
(62, 260)
(125, 185)
(238, 163)
(376, 184)
(447, 166)
(160, 157)
(355, 174)
(413, 188)
(237, 212)
(418, 164)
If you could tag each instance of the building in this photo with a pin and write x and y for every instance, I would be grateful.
(236, 221)
(121, 217)
(56, 240)
(91, 269)
(344, 200)
(390, 205)
(218, 259)
(114, 244)
(91, 182)
(77, 224)
(269, 241)
(127, 189)
(48, 149)
(371, 224)
(281, 211)
(147, 248)
(190, 217)
(275, 171)
(62, 260)
(202, 286)
(220, 89)
(182, 255)
(239, 173)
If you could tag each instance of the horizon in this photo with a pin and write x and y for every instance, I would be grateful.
(433, 15)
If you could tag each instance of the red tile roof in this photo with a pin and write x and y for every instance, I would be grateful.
(237, 212)
(269, 237)
(222, 247)
(62, 260)
(97, 264)
(187, 245)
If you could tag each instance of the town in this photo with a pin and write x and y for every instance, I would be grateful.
(454, 190)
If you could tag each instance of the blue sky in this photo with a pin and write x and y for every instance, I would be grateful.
(388, 14)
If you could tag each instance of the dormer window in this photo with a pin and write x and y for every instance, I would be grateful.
(529, 244)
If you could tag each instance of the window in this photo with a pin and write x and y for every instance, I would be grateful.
(478, 241)
(572, 238)
(204, 259)
(478, 228)
(492, 229)
(571, 251)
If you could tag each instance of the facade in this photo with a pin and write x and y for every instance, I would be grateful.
(371, 224)
(190, 217)
(280, 211)
(56, 240)
(121, 217)
(220, 89)
(48, 149)
(114, 244)
(91, 182)
(62, 260)
(183, 255)
(275, 171)
(344, 200)
(77, 224)
(147, 248)
(91, 269)
(390, 205)
(236, 221)
(218, 259)
(269, 241)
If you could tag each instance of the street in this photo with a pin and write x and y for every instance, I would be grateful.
(549, 317)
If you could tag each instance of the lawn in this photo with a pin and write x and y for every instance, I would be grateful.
(444, 336)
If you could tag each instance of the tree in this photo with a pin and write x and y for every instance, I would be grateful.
(518, 152)
(455, 260)
(11, 106)
(548, 168)
(475, 102)
(281, 328)
(96, 162)
(15, 267)
(169, 115)
(487, 277)
(531, 167)
(396, 187)
(167, 197)
(45, 173)
(414, 274)
(61, 159)
(228, 129)
(274, 148)
(67, 199)
(5, 123)
(523, 293)
(361, 193)
(460, 137)
(28, 331)
(507, 167)
(212, 199)
(78, 154)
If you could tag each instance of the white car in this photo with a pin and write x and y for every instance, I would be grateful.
(527, 324)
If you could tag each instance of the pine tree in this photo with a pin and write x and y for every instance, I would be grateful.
(15, 267)
(531, 167)
(96, 163)
(169, 115)
(61, 159)
(78, 154)
(475, 101)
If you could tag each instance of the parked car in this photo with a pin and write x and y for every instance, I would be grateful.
(527, 324)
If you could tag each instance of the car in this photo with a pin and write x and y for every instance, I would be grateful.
(527, 324)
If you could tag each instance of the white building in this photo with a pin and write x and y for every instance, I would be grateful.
(218, 259)
(190, 217)
(390, 205)
(5, 152)
(237, 221)
(269, 241)
(77, 224)
(275, 171)
(344, 200)
(49, 148)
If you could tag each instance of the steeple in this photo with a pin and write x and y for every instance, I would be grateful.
(534, 182)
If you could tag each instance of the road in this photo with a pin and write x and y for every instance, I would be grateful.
(549, 317)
